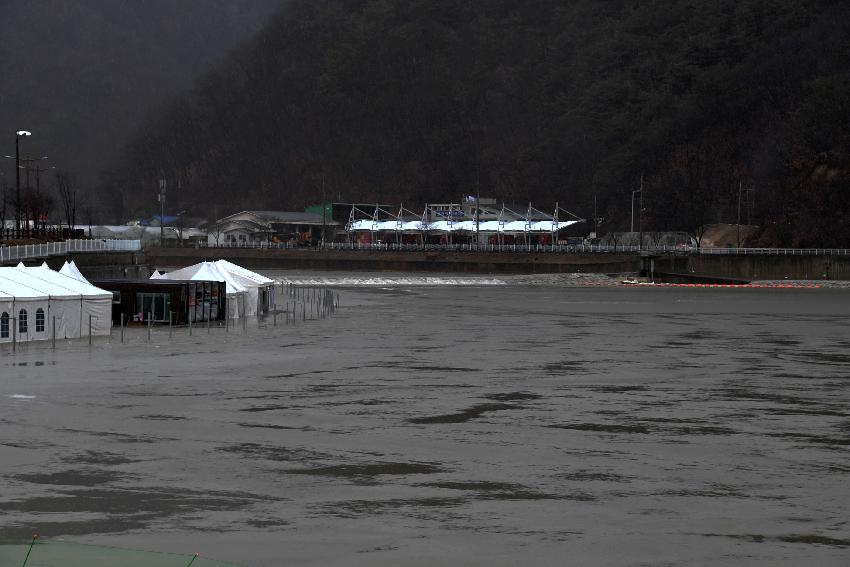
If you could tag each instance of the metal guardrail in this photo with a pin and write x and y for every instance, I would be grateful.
(30, 251)
(391, 246)
(557, 248)
(773, 251)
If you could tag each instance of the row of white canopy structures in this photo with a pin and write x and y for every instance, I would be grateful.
(247, 291)
(37, 303)
(508, 222)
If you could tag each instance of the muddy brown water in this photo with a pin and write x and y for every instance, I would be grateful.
(451, 425)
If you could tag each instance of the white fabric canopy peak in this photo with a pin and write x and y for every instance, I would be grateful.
(70, 269)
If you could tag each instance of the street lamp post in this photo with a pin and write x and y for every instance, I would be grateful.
(635, 192)
(640, 213)
(18, 136)
(640, 216)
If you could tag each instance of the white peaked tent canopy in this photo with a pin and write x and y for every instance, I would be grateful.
(226, 266)
(238, 302)
(244, 287)
(31, 299)
(70, 269)
(264, 286)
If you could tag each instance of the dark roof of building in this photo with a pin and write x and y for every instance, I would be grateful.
(161, 282)
(287, 217)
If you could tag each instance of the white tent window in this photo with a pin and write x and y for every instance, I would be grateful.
(22, 321)
(4, 326)
(39, 320)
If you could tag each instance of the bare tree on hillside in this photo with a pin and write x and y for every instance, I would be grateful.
(67, 188)
(214, 226)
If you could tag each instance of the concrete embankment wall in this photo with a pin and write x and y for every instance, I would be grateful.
(757, 267)
(743, 267)
(354, 260)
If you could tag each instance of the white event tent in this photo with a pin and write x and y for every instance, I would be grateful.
(264, 285)
(247, 291)
(35, 302)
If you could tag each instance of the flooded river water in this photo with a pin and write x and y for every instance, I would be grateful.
(460, 424)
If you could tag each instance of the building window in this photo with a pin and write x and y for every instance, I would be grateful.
(4, 326)
(22, 321)
(116, 298)
(39, 320)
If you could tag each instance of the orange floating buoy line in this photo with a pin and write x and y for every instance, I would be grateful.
(741, 286)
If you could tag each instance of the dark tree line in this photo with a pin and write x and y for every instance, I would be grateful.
(428, 100)
(37, 207)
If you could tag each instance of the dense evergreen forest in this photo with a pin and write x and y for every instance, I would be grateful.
(713, 104)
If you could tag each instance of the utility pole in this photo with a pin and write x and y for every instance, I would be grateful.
(741, 192)
(738, 224)
(31, 164)
(633, 204)
(478, 208)
(597, 220)
(324, 209)
(161, 198)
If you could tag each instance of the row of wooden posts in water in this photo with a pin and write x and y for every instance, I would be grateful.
(302, 303)
(15, 333)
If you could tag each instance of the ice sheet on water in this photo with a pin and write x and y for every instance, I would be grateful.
(383, 281)
(398, 279)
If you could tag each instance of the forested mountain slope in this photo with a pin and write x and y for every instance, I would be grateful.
(427, 100)
(82, 74)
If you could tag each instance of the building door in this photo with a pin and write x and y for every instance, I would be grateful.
(153, 305)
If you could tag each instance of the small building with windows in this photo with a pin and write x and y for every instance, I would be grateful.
(250, 228)
(162, 300)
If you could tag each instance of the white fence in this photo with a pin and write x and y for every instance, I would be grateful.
(30, 251)
(557, 248)
(774, 251)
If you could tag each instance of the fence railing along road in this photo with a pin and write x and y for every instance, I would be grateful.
(29, 251)
(557, 248)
